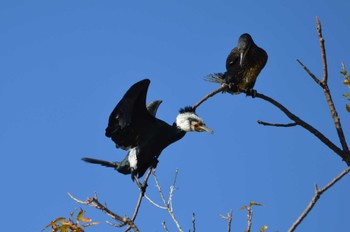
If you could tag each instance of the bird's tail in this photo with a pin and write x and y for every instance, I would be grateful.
(216, 78)
(101, 162)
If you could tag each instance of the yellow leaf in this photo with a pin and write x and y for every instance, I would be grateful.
(84, 219)
(347, 82)
(80, 217)
(263, 228)
(80, 214)
(53, 223)
(348, 108)
(252, 203)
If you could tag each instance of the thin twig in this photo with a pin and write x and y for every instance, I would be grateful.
(229, 220)
(172, 189)
(222, 88)
(277, 124)
(193, 222)
(165, 226)
(310, 73)
(323, 52)
(154, 203)
(316, 197)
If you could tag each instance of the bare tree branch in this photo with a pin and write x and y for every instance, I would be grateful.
(222, 88)
(277, 124)
(305, 125)
(142, 188)
(318, 193)
(324, 85)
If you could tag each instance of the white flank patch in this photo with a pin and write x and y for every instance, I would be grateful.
(133, 158)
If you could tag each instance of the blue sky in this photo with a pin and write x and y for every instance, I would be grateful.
(66, 64)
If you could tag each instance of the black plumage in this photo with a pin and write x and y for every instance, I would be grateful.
(131, 126)
(243, 66)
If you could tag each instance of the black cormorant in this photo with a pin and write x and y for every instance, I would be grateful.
(243, 66)
(131, 126)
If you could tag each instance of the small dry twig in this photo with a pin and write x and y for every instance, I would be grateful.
(168, 205)
(277, 124)
(193, 222)
(229, 220)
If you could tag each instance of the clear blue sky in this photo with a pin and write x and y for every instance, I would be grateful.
(65, 64)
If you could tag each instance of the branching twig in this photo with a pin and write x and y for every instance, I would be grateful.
(318, 193)
(142, 188)
(229, 220)
(304, 124)
(93, 202)
(324, 85)
(169, 203)
(277, 124)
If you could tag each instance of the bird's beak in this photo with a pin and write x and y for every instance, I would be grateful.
(241, 58)
(202, 128)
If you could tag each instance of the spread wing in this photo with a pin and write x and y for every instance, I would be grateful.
(126, 120)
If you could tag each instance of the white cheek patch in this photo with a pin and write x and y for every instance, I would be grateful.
(185, 121)
(133, 158)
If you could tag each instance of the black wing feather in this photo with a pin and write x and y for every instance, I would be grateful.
(122, 125)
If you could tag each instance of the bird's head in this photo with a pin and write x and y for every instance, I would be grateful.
(244, 43)
(188, 120)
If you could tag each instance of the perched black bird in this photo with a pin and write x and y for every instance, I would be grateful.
(131, 126)
(243, 66)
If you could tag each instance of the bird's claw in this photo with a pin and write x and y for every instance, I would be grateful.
(251, 92)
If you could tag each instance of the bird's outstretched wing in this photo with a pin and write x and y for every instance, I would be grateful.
(123, 124)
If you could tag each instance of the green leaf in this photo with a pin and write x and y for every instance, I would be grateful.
(348, 108)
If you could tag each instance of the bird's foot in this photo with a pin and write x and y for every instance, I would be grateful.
(232, 88)
(251, 92)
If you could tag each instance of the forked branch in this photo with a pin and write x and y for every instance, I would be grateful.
(316, 197)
